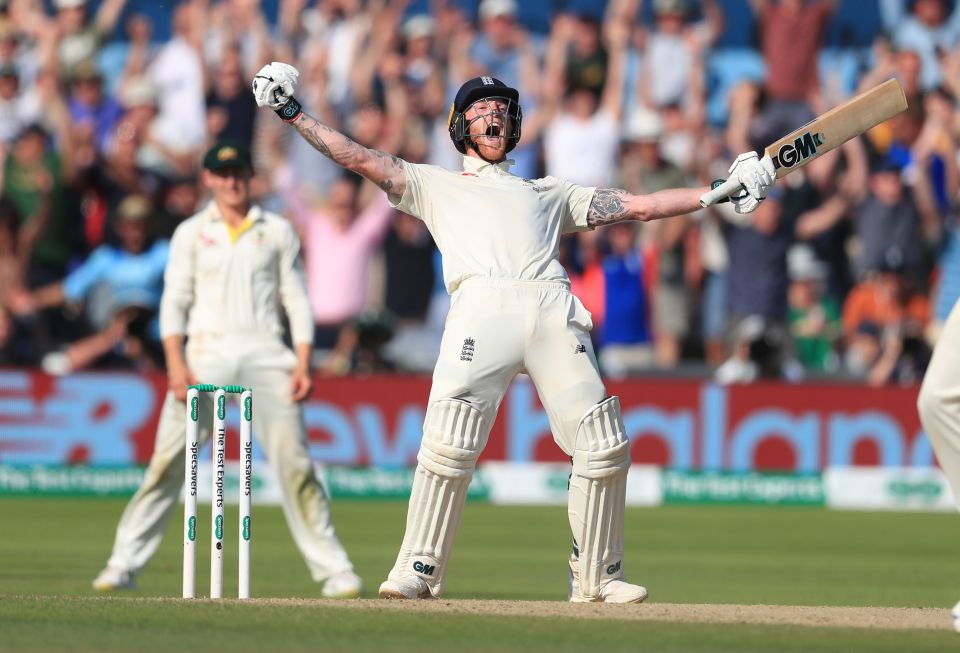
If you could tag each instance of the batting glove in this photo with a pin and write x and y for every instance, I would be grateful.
(757, 177)
(274, 86)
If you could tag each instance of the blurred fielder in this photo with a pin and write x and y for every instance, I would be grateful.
(232, 266)
(939, 407)
(511, 312)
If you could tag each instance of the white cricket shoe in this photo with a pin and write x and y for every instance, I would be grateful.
(613, 591)
(956, 617)
(405, 587)
(344, 585)
(113, 579)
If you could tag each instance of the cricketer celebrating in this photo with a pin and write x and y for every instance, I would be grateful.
(232, 266)
(511, 312)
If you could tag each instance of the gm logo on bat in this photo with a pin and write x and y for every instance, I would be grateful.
(801, 149)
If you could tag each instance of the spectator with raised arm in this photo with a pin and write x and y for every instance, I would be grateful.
(179, 132)
(674, 50)
(339, 241)
(231, 112)
(80, 36)
(928, 27)
(643, 170)
(582, 138)
(120, 287)
(504, 49)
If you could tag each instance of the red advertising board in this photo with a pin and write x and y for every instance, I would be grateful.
(110, 418)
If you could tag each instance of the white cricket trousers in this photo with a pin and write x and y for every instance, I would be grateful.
(498, 328)
(939, 400)
(264, 364)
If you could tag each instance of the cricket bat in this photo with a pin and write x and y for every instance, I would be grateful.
(824, 133)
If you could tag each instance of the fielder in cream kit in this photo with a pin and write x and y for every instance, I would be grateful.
(511, 312)
(232, 267)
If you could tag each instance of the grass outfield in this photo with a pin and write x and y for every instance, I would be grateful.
(51, 549)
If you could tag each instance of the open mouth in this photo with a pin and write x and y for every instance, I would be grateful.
(493, 130)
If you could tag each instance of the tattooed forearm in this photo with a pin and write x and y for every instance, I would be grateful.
(345, 151)
(392, 166)
(395, 160)
(383, 169)
(607, 207)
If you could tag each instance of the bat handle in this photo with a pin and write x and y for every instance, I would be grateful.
(725, 189)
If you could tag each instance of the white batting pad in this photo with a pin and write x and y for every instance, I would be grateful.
(597, 495)
(454, 434)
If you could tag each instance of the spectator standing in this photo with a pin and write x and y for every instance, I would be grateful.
(674, 51)
(626, 346)
(177, 75)
(883, 325)
(887, 222)
(120, 286)
(503, 49)
(231, 112)
(35, 182)
(583, 259)
(17, 46)
(582, 137)
(80, 39)
(757, 287)
(792, 81)
(18, 109)
(645, 171)
(340, 242)
(408, 258)
(813, 317)
(90, 107)
(929, 28)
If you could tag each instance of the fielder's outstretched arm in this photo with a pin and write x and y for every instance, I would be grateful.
(274, 87)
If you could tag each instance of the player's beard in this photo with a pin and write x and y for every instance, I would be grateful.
(495, 152)
(491, 143)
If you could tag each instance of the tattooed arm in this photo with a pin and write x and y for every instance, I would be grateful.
(385, 170)
(275, 85)
(611, 205)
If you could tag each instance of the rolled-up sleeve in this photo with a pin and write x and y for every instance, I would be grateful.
(576, 206)
(415, 200)
(178, 282)
(293, 288)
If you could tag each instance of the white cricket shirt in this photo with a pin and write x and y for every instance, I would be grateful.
(219, 283)
(490, 223)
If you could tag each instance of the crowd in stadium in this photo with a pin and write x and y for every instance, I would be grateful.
(845, 271)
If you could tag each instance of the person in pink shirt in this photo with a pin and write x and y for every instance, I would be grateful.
(339, 242)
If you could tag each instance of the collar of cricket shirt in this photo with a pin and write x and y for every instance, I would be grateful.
(481, 167)
(254, 215)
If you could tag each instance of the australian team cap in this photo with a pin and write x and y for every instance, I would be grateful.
(227, 154)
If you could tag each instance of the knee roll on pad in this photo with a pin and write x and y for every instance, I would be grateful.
(598, 494)
(601, 448)
(453, 437)
(454, 434)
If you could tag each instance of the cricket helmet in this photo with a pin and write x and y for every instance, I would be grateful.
(481, 88)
